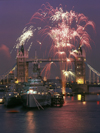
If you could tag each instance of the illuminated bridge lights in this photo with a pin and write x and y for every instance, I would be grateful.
(80, 80)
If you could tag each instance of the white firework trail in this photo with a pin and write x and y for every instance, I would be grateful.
(26, 35)
(67, 73)
(30, 46)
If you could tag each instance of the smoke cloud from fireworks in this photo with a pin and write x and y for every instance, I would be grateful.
(5, 50)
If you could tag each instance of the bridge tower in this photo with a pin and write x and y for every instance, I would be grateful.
(80, 66)
(22, 65)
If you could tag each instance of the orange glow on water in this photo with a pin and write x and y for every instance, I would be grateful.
(30, 120)
(65, 102)
(72, 98)
(97, 102)
(79, 97)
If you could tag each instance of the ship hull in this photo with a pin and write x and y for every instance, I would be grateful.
(12, 101)
(35, 100)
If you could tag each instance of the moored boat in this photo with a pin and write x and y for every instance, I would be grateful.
(11, 97)
(35, 92)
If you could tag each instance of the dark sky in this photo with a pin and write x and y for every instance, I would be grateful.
(15, 14)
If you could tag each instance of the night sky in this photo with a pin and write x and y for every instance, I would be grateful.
(15, 14)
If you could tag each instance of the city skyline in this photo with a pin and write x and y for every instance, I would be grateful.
(15, 15)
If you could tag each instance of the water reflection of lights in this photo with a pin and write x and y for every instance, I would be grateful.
(79, 97)
(30, 121)
(65, 102)
(84, 102)
(72, 98)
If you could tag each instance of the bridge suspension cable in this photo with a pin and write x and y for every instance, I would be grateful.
(93, 70)
(5, 75)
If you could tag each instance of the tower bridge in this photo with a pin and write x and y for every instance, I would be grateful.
(23, 60)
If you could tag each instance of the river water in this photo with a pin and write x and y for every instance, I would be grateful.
(74, 117)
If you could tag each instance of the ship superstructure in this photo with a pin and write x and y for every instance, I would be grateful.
(35, 93)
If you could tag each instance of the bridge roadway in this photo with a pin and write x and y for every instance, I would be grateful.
(83, 88)
(48, 60)
(89, 85)
(93, 85)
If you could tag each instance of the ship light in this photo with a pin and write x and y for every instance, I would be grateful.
(15, 95)
(1, 100)
(32, 91)
(42, 93)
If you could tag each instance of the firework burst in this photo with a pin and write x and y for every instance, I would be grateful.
(47, 69)
(65, 30)
(26, 35)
